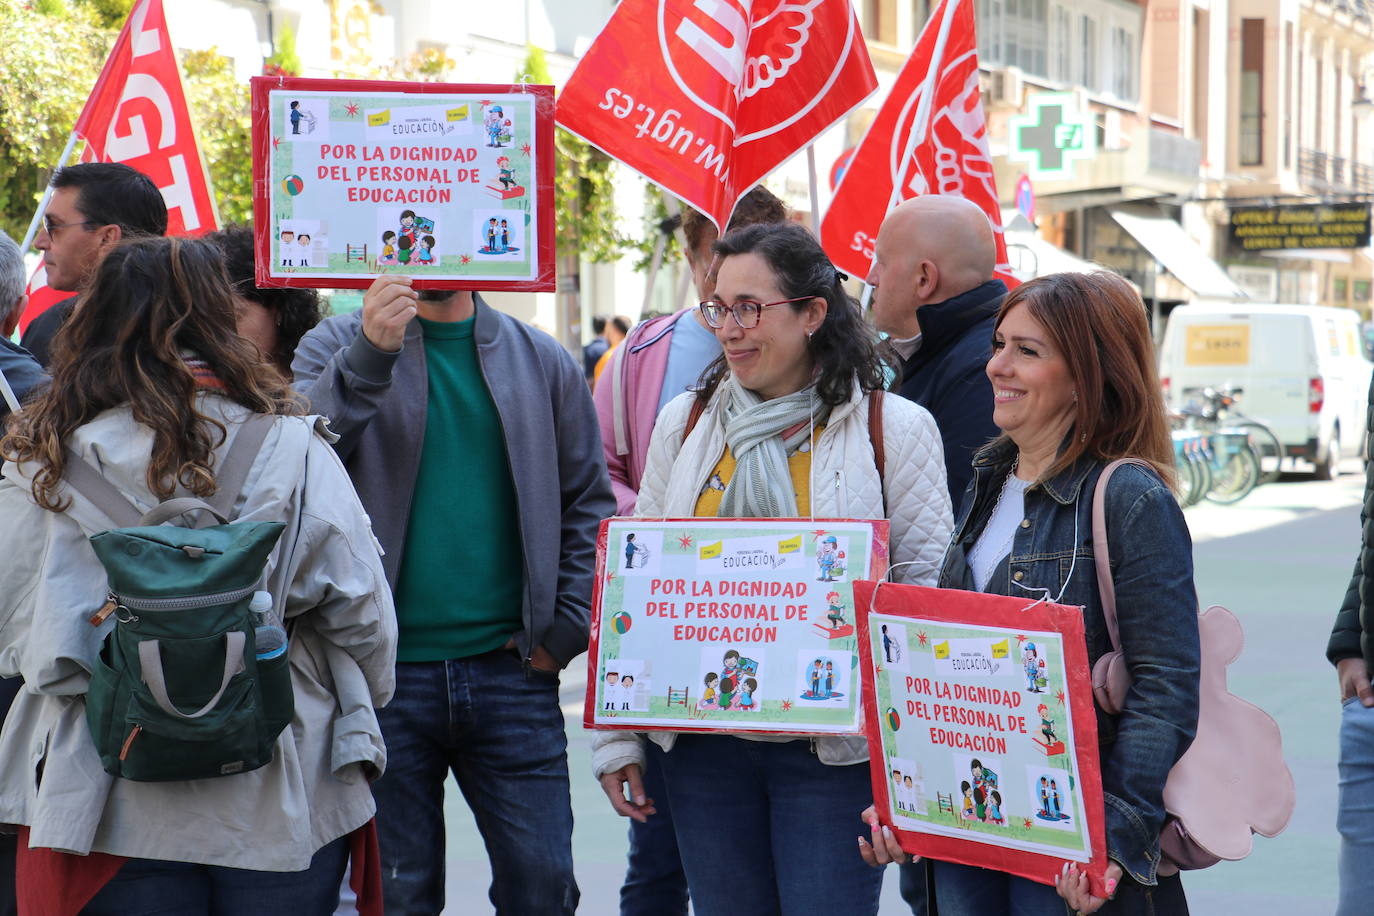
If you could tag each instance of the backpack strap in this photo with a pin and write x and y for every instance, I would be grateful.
(1101, 557)
(693, 415)
(238, 460)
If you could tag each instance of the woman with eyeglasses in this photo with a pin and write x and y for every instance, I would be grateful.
(767, 824)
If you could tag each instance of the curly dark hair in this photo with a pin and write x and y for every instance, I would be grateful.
(844, 346)
(152, 301)
(297, 310)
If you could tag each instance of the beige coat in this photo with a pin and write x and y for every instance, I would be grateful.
(326, 575)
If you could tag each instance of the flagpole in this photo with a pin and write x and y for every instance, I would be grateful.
(47, 193)
(921, 123)
(815, 195)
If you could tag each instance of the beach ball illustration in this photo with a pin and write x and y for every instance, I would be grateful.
(894, 721)
(621, 622)
(293, 184)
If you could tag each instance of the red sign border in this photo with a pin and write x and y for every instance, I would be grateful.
(1011, 613)
(881, 558)
(545, 280)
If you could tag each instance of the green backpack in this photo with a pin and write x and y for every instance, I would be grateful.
(189, 684)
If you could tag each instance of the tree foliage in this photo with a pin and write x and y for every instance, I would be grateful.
(220, 108)
(583, 183)
(284, 61)
(47, 67)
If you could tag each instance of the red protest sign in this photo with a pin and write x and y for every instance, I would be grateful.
(981, 729)
(930, 137)
(721, 91)
(137, 115)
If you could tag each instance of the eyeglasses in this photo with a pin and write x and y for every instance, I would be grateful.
(53, 227)
(746, 312)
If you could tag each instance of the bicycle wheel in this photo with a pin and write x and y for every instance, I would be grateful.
(1202, 465)
(1267, 446)
(1188, 480)
(1237, 474)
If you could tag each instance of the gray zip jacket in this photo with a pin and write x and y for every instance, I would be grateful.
(376, 402)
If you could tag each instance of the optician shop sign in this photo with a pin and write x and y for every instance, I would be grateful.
(1301, 226)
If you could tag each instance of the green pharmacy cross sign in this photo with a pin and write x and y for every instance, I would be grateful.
(1052, 136)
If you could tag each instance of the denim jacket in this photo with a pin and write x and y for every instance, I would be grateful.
(1157, 613)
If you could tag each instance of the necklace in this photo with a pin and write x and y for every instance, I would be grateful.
(1004, 548)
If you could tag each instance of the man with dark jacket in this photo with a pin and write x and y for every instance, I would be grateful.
(487, 509)
(1351, 650)
(21, 370)
(94, 206)
(935, 296)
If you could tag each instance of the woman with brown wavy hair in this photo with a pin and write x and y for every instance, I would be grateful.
(1075, 388)
(151, 383)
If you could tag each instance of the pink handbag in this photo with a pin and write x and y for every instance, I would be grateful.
(1232, 782)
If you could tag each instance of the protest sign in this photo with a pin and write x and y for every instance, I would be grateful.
(729, 625)
(719, 93)
(451, 184)
(981, 729)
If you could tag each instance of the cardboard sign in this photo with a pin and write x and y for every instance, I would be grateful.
(981, 729)
(729, 625)
(451, 184)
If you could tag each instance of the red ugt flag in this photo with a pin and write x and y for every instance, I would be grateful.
(930, 137)
(137, 115)
(706, 97)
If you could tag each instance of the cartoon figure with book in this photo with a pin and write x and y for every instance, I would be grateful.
(1046, 724)
(505, 174)
(835, 613)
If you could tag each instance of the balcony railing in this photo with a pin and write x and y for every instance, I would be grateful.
(1318, 171)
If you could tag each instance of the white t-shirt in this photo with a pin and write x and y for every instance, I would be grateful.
(994, 544)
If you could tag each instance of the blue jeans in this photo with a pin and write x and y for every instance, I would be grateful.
(911, 879)
(654, 882)
(962, 890)
(146, 887)
(498, 728)
(1355, 809)
(765, 828)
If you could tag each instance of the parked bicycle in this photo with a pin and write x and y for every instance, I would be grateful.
(1214, 409)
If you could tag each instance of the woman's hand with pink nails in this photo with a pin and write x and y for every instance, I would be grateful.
(1072, 885)
(884, 848)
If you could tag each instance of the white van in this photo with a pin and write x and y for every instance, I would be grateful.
(1301, 369)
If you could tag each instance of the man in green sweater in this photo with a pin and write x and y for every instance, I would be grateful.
(473, 444)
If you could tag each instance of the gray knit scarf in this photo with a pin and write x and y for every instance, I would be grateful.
(761, 486)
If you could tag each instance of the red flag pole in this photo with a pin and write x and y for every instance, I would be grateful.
(32, 233)
(815, 194)
(921, 123)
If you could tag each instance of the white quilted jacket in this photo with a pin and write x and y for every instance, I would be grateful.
(844, 484)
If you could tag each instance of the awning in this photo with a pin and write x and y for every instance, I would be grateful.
(1031, 256)
(1166, 241)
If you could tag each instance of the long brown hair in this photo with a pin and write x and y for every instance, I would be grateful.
(1099, 324)
(153, 302)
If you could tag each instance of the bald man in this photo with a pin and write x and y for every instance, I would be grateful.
(935, 296)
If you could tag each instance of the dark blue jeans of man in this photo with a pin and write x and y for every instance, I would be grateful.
(654, 881)
(145, 887)
(766, 829)
(499, 730)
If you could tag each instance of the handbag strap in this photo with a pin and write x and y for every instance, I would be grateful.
(8, 393)
(1101, 555)
(238, 460)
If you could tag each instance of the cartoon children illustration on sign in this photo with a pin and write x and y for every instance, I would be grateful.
(1034, 667)
(968, 810)
(388, 255)
(505, 174)
(505, 236)
(708, 696)
(627, 690)
(890, 647)
(635, 553)
(1050, 802)
(303, 241)
(898, 794)
(816, 678)
(829, 679)
(405, 246)
(610, 693)
(491, 235)
(425, 254)
(408, 229)
(1046, 725)
(494, 122)
(994, 812)
(984, 782)
(296, 117)
(835, 613)
(827, 557)
(288, 248)
(729, 678)
(745, 698)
